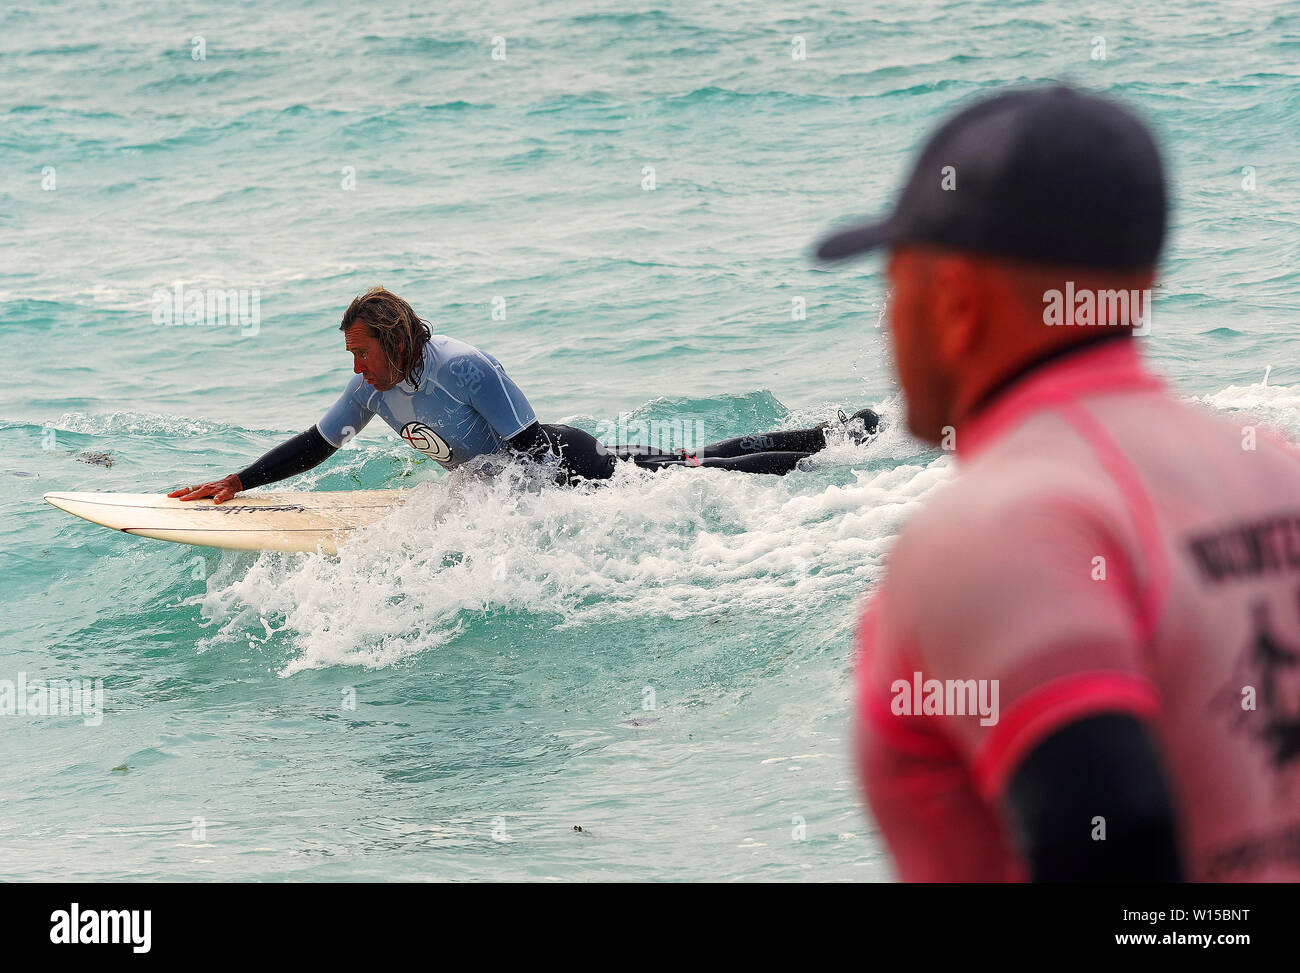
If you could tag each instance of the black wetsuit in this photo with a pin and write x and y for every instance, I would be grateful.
(583, 457)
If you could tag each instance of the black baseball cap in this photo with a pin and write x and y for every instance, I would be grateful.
(1053, 175)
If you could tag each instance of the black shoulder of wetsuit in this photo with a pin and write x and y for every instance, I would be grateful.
(531, 441)
(297, 455)
(1098, 773)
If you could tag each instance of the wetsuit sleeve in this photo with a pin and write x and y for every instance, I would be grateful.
(484, 384)
(1091, 804)
(301, 453)
(346, 417)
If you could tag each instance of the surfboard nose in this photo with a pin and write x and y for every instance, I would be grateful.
(60, 500)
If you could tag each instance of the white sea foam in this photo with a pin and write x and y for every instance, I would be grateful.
(134, 424)
(679, 543)
(1277, 405)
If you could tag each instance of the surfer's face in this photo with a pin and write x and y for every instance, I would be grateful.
(368, 358)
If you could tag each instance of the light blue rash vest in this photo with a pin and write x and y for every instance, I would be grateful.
(465, 405)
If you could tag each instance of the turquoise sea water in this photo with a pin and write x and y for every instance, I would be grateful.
(452, 700)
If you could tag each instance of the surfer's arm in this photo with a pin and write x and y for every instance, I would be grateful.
(493, 394)
(347, 416)
(301, 453)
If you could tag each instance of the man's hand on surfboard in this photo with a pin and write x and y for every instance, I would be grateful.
(219, 490)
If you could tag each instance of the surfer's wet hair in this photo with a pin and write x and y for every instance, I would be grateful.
(398, 329)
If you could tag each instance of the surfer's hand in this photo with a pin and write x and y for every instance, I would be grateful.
(219, 490)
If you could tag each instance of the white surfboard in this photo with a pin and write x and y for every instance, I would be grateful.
(257, 522)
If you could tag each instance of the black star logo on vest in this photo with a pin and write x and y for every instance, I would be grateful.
(1273, 668)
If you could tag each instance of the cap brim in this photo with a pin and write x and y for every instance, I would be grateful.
(860, 239)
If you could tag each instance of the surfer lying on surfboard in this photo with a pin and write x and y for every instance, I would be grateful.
(453, 402)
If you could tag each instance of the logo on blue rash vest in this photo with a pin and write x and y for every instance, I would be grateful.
(427, 441)
(467, 375)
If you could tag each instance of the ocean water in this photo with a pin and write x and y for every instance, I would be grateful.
(663, 663)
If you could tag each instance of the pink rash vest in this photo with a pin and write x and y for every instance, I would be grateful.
(1105, 548)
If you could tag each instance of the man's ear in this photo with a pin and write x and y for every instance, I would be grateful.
(958, 313)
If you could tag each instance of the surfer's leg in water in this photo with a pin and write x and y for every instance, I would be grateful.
(583, 457)
(776, 452)
(793, 440)
(768, 461)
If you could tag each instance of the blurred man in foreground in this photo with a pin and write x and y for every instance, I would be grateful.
(1084, 663)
